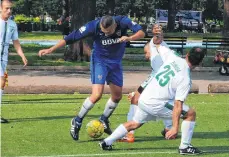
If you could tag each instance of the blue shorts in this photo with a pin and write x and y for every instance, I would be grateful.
(109, 72)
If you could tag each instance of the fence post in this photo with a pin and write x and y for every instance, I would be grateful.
(206, 44)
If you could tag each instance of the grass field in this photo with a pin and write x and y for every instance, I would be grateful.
(39, 126)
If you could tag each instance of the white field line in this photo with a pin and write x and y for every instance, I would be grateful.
(126, 153)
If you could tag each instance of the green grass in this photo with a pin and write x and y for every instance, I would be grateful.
(39, 126)
(56, 59)
(40, 35)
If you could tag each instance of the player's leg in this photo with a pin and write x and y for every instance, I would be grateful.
(3, 81)
(133, 107)
(112, 103)
(187, 127)
(115, 81)
(97, 70)
(138, 120)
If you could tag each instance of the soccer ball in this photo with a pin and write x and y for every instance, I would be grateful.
(95, 129)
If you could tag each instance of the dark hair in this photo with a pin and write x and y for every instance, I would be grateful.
(196, 55)
(6, 1)
(107, 21)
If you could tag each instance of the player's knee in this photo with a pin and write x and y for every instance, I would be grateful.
(95, 97)
(134, 100)
(131, 125)
(191, 114)
(116, 98)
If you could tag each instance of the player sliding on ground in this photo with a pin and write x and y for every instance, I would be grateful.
(164, 97)
(156, 62)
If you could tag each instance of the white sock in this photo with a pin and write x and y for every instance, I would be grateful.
(1, 93)
(119, 132)
(87, 106)
(187, 128)
(168, 124)
(109, 108)
(131, 113)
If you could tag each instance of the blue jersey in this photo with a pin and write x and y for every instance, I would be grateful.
(106, 48)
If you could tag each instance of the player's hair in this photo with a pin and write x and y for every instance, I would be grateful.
(6, 1)
(107, 21)
(196, 55)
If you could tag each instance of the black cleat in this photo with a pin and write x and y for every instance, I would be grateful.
(3, 120)
(190, 150)
(106, 125)
(104, 146)
(75, 128)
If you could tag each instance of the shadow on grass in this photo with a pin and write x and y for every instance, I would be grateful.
(52, 118)
(45, 100)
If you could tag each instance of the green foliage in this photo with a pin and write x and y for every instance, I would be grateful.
(21, 18)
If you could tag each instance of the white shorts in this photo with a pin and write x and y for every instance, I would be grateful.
(146, 82)
(3, 67)
(143, 114)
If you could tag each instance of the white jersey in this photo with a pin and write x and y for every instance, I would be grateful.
(172, 81)
(8, 32)
(155, 58)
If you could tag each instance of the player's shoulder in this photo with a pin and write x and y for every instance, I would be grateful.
(121, 19)
(12, 23)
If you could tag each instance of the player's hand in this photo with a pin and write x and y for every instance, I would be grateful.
(172, 132)
(25, 61)
(130, 96)
(124, 39)
(44, 52)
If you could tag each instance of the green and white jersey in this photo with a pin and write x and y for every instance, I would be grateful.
(8, 32)
(171, 82)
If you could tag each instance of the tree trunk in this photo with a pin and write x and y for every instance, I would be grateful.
(226, 18)
(110, 6)
(171, 15)
(81, 12)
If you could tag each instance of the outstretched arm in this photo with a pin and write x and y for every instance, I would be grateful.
(18, 48)
(76, 35)
(53, 48)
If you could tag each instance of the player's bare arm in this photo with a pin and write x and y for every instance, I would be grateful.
(18, 48)
(138, 35)
(177, 109)
(60, 44)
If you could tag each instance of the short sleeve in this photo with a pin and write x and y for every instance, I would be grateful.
(15, 33)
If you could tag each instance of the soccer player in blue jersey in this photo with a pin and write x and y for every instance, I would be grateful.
(110, 36)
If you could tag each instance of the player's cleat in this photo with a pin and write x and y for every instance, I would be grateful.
(128, 138)
(190, 150)
(75, 128)
(104, 146)
(106, 125)
(3, 120)
(163, 133)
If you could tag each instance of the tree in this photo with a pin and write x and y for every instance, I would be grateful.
(81, 12)
(174, 6)
(226, 17)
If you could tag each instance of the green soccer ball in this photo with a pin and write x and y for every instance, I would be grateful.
(95, 129)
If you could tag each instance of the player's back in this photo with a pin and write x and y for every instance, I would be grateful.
(173, 74)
